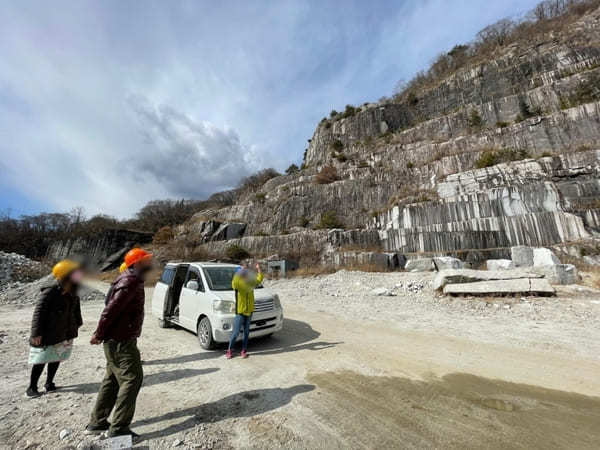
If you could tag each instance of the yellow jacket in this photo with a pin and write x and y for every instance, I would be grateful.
(245, 293)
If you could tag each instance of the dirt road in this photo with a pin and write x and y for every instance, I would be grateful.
(327, 381)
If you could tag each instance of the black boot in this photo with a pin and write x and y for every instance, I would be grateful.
(32, 392)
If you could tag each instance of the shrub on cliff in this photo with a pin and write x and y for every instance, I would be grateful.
(253, 182)
(237, 253)
(329, 220)
(475, 120)
(328, 174)
(492, 157)
(293, 168)
(162, 236)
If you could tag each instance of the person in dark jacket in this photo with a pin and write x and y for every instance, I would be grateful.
(119, 327)
(55, 323)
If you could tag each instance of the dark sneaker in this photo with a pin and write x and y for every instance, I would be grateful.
(134, 436)
(96, 429)
(50, 387)
(32, 393)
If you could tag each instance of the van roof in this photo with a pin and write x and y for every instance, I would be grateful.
(202, 264)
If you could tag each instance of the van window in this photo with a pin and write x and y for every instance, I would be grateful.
(194, 275)
(167, 275)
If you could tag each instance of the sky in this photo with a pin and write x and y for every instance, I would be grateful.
(107, 104)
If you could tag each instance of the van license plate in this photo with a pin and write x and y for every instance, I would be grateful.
(260, 323)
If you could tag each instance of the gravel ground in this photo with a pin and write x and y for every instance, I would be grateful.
(416, 371)
(568, 320)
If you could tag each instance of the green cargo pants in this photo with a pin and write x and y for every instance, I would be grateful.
(120, 386)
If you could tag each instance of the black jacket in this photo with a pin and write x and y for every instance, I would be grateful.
(123, 314)
(57, 316)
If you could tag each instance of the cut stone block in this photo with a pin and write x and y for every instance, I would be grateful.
(446, 277)
(522, 256)
(499, 264)
(544, 257)
(526, 286)
(448, 262)
(592, 260)
(559, 273)
(419, 265)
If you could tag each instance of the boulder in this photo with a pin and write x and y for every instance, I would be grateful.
(559, 273)
(419, 265)
(544, 257)
(447, 262)
(592, 260)
(526, 286)
(522, 256)
(382, 292)
(229, 231)
(446, 277)
(499, 264)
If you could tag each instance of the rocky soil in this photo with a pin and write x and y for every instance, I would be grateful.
(22, 278)
(365, 360)
(18, 293)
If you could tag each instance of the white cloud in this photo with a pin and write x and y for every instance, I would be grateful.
(108, 105)
(190, 158)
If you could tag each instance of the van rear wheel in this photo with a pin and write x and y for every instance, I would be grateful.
(205, 336)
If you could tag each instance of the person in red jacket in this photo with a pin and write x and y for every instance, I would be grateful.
(119, 327)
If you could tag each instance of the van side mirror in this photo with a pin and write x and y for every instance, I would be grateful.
(193, 285)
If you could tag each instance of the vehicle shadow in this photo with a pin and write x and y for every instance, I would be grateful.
(149, 380)
(295, 335)
(241, 404)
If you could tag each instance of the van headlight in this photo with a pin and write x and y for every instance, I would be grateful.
(223, 306)
(276, 301)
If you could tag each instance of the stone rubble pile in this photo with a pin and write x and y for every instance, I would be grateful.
(19, 293)
(15, 267)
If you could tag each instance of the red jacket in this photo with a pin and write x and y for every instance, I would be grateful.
(123, 314)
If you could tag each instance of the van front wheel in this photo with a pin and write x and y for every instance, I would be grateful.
(205, 336)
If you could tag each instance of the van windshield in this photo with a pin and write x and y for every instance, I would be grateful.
(219, 278)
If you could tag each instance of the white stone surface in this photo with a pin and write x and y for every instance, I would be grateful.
(499, 264)
(544, 257)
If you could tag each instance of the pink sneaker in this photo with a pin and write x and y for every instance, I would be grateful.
(244, 354)
(229, 354)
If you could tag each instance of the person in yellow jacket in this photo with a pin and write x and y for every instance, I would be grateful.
(243, 284)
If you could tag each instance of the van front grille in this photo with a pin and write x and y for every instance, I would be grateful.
(263, 305)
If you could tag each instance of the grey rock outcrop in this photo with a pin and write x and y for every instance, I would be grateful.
(95, 250)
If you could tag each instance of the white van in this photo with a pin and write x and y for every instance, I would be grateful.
(198, 297)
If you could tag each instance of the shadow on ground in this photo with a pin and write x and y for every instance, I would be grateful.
(149, 380)
(242, 404)
(455, 411)
(295, 335)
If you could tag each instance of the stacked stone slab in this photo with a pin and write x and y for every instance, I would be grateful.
(520, 203)
(489, 282)
(545, 262)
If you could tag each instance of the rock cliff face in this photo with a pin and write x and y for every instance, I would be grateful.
(104, 251)
(406, 170)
